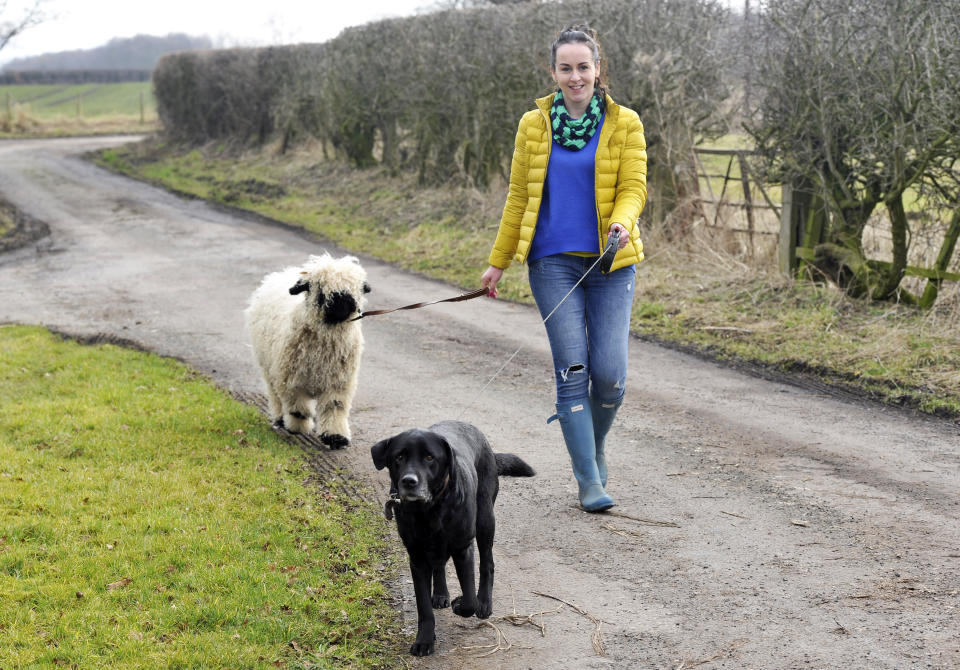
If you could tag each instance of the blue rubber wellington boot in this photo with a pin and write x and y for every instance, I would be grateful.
(603, 415)
(576, 422)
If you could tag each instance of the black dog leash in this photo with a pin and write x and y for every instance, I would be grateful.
(458, 298)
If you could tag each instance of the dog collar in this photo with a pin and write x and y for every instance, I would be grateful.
(443, 487)
(390, 506)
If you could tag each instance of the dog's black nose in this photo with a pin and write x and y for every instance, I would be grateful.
(409, 481)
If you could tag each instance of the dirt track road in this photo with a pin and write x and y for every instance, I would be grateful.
(759, 525)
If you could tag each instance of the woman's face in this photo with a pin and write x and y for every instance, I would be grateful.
(575, 73)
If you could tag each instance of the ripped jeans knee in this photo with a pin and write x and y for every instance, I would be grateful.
(573, 382)
(572, 369)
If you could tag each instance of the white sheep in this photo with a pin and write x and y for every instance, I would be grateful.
(309, 346)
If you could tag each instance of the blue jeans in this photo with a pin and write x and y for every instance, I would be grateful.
(589, 332)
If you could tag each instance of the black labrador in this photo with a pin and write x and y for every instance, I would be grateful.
(443, 483)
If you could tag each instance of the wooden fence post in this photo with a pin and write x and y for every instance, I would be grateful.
(789, 224)
(748, 199)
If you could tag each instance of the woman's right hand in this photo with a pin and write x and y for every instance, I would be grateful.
(489, 280)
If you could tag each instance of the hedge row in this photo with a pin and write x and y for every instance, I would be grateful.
(442, 93)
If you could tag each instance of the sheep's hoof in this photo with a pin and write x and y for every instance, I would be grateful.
(334, 441)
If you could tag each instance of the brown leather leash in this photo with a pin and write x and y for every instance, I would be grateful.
(605, 261)
(458, 298)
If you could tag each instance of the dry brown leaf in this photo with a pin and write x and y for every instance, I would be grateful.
(119, 584)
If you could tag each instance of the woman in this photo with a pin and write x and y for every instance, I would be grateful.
(578, 178)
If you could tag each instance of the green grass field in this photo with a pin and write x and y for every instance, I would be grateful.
(60, 109)
(148, 520)
(50, 100)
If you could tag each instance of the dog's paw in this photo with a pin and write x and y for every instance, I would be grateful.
(463, 609)
(334, 441)
(440, 602)
(419, 648)
(484, 609)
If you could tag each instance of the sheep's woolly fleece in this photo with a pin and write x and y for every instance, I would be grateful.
(308, 345)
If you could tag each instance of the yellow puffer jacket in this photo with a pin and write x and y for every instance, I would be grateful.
(620, 178)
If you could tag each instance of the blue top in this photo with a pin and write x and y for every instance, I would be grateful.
(568, 210)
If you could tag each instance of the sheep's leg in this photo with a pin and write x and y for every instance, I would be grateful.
(299, 413)
(274, 406)
(332, 421)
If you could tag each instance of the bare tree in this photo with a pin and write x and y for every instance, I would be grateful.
(859, 111)
(13, 23)
(668, 61)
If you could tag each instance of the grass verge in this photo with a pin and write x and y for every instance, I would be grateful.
(697, 293)
(7, 220)
(149, 520)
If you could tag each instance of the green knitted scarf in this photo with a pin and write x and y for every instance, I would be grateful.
(574, 134)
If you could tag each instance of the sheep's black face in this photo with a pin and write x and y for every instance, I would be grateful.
(335, 288)
(339, 307)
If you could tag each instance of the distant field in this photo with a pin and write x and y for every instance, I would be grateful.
(40, 109)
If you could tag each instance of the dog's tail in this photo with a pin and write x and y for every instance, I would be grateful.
(513, 466)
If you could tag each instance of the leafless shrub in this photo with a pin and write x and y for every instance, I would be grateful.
(858, 112)
(221, 94)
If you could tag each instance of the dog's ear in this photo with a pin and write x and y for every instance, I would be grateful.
(301, 286)
(366, 287)
(379, 453)
(451, 461)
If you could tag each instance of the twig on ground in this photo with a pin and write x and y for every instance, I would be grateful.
(727, 329)
(648, 522)
(736, 644)
(739, 516)
(502, 643)
(620, 531)
(517, 619)
(597, 637)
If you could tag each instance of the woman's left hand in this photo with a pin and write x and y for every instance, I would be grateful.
(618, 229)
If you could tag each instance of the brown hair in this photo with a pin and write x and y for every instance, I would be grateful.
(582, 34)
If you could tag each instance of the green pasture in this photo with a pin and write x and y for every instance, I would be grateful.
(44, 101)
(148, 520)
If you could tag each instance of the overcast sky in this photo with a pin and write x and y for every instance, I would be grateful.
(85, 24)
